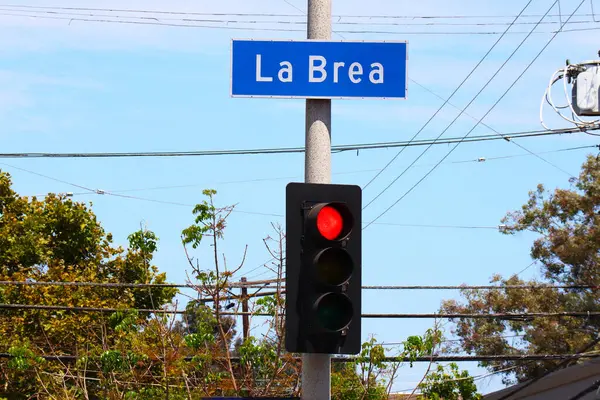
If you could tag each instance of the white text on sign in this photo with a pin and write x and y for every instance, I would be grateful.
(317, 72)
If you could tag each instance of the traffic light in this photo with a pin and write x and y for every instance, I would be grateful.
(323, 268)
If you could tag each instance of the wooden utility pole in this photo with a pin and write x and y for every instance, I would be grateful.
(245, 318)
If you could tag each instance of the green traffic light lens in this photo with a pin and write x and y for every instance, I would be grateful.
(333, 266)
(334, 311)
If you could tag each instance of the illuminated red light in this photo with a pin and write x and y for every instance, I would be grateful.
(330, 223)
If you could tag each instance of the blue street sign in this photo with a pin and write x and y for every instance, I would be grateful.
(319, 69)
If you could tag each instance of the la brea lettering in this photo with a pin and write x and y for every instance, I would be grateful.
(319, 71)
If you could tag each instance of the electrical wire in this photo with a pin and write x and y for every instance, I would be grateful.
(434, 358)
(146, 11)
(264, 284)
(566, 74)
(481, 119)
(339, 20)
(49, 177)
(287, 150)
(499, 316)
(117, 285)
(498, 133)
(453, 340)
(474, 378)
(263, 265)
(103, 192)
(495, 228)
(118, 193)
(250, 28)
(451, 104)
(428, 17)
(438, 226)
(445, 101)
(488, 82)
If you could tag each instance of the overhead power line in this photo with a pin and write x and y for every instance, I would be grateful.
(482, 287)
(172, 12)
(486, 84)
(340, 20)
(271, 29)
(456, 340)
(481, 119)
(500, 316)
(248, 284)
(285, 150)
(444, 103)
(118, 194)
(538, 155)
(337, 16)
(475, 160)
(434, 358)
(264, 284)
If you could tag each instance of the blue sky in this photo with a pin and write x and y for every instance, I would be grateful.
(93, 87)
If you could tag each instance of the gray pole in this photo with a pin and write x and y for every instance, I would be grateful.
(316, 368)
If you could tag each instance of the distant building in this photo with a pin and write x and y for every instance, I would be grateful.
(560, 385)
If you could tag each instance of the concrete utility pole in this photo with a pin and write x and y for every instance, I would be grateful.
(316, 368)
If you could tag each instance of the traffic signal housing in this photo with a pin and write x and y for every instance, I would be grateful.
(323, 268)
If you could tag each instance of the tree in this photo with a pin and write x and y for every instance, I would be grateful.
(56, 239)
(567, 223)
(365, 377)
(449, 385)
(136, 355)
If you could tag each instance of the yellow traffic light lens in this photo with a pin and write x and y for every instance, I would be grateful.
(333, 266)
(334, 311)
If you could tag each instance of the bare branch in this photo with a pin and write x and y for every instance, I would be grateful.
(243, 260)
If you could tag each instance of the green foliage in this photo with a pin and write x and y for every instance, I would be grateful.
(196, 340)
(22, 358)
(346, 384)
(260, 357)
(128, 354)
(116, 361)
(154, 393)
(204, 212)
(143, 241)
(422, 346)
(56, 239)
(567, 249)
(449, 385)
(370, 376)
(266, 305)
(124, 321)
(111, 360)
